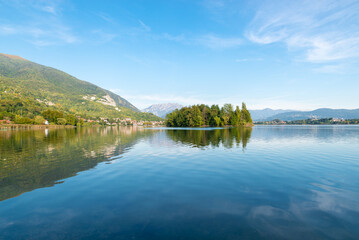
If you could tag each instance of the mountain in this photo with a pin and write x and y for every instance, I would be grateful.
(260, 115)
(29, 88)
(318, 114)
(163, 109)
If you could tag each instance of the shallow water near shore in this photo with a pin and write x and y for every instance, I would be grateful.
(265, 182)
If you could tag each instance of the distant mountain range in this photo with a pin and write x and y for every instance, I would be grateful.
(318, 114)
(261, 115)
(269, 114)
(28, 88)
(161, 110)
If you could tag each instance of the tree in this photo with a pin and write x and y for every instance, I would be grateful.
(217, 121)
(238, 115)
(39, 120)
(234, 119)
(246, 116)
(227, 109)
(197, 117)
(52, 115)
(170, 120)
(23, 120)
(61, 121)
(71, 119)
(80, 123)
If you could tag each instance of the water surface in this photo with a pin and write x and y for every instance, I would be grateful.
(272, 182)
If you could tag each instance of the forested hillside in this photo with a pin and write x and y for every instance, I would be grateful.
(27, 89)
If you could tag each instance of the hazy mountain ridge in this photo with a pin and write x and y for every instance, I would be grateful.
(263, 114)
(318, 114)
(161, 110)
(34, 87)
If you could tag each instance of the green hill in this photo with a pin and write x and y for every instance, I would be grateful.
(28, 88)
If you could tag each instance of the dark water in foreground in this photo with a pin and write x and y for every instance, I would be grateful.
(272, 182)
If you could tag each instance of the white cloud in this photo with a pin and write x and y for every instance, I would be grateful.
(326, 30)
(49, 9)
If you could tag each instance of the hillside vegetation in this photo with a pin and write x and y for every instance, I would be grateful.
(27, 89)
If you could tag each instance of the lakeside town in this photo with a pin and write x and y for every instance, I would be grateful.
(82, 122)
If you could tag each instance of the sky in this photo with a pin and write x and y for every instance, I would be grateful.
(298, 55)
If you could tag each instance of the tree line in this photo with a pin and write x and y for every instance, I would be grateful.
(52, 116)
(214, 116)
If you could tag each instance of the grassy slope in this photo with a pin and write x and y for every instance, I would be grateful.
(24, 81)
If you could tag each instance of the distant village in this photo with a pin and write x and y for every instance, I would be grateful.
(125, 122)
(312, 121)
(101, 122)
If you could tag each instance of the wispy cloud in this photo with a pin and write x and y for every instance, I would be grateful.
(332, 68)
(186, 99)
(49, 9)
(103, 37)
(47, 6)
(326, 30)
(216, 42)
(176, 38)
(41, 36)
(106, 17)
(144, 26)
(7, 30)
(211, 41)
(144, 100)
(248, 59)
(36, 26)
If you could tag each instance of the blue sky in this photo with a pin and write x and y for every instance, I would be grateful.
(278, 54)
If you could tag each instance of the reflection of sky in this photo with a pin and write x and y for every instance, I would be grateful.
(290, 183)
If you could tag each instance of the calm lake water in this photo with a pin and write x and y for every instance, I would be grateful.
(269, 182)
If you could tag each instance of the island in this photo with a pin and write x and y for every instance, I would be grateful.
(203, 116)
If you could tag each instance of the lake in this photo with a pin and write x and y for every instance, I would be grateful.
(269, 182)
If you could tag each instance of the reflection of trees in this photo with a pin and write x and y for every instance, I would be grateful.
(39, 158)
(229, 137)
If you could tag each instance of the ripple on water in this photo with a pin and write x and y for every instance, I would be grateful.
(277, 182)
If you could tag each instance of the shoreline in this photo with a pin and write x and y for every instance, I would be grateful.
(31, 126)
(208, 126)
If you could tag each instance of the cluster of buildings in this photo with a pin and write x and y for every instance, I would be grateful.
(5, 121)
(126, 122)
(106, 121)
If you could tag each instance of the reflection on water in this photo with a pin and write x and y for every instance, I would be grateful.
(291, 182)
(33, 159)
(228, 137)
